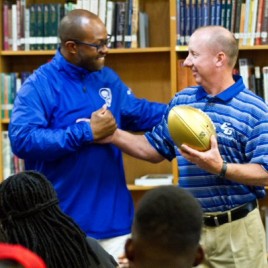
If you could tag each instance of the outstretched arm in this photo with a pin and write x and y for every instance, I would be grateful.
(136, 146)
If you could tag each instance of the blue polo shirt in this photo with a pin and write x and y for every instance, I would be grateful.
(241, 121)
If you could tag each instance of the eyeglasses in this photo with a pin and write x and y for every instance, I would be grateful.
(100, 46)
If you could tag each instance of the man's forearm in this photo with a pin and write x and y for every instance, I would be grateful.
(136, 146)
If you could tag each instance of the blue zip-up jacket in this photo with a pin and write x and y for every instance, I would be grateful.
(89, 178)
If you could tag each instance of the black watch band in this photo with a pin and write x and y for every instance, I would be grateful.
(223, 169)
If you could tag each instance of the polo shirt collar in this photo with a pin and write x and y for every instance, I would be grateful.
(225, 95)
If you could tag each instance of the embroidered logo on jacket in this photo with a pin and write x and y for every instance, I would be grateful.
(106, 94)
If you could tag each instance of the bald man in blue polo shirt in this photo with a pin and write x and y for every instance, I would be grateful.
(229, 177)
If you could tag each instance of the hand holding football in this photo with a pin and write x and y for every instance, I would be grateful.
(190, 126)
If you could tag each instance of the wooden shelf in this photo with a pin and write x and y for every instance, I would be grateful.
(111, 51)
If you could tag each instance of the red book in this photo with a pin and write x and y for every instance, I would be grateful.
(259, 22)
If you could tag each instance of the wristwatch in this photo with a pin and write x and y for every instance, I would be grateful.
(223, 169)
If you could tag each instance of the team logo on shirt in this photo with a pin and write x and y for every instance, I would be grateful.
(227, 128)
(106, 94)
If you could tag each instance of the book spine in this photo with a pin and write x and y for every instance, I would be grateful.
(14, 28)
(233, 18)
(32, 28)
(258, 81)
(128, 25)
(135, 23)
(6, 155)
(259, 22)
(264, 28)
(39, 26)
(206, 12)
(94, 6)
(5, 26)
(120, 24)
(110, 21)
(237, 19)
(254, 11)
(187, 22)
(181, 19)
(228, 16)
(18, 5)
(102, 10)
(265, 83)
(193, 16)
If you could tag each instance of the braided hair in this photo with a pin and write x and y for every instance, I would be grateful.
(30, 216)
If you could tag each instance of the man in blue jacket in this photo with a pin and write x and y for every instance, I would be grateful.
(63, 108)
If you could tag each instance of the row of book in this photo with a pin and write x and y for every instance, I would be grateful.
(34, 27)
(11, 163)
(255, 77)
(247, 19)
(10, 83)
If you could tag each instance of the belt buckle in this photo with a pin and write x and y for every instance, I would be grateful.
(216, 220)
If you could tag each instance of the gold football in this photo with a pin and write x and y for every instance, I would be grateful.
(190, 126)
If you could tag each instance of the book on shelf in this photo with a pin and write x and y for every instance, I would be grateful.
(180, 22)
(237, 20)
(193, 15)
(39, 13)
(154, 180)
(228, 14)
(206, 12)
(259, 23)
(199, 22)
(264, 27)
(110, 22)
(14, 27)
(135, 23)
(128, 25)
(11, 163)
(233, 18)
(6, 7)
(7, 155)
(143, 29)
(120, 22)
(246, 70)
(254, 13)
(265, 83)
(102, 10)
(258, 81)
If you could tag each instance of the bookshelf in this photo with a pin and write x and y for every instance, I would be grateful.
(151, 72)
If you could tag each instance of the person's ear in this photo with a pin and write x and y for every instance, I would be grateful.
(71, 47)
(129, 250)
(220, 58)
(200, 255)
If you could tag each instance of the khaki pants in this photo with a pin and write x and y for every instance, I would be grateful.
(238, 244)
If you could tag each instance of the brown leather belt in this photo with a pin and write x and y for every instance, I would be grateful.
(214, 220)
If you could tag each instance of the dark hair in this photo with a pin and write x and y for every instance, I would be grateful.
(10, 264)
(30, 216)
(170, 219)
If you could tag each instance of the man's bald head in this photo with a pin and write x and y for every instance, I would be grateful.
(76, 24)
(218, 39)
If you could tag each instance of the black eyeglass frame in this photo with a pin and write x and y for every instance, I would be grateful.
(100, 46)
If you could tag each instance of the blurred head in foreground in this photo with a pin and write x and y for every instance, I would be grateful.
(166, 230)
